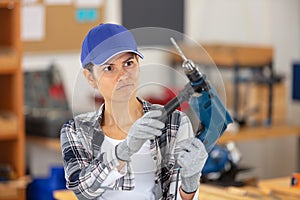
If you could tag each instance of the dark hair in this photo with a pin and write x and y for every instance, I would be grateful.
(89, 66)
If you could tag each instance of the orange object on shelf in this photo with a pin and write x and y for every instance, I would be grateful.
(295, 182)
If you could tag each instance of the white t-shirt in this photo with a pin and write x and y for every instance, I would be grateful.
(143, 169)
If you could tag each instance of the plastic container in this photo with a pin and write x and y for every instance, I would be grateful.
(42, 188)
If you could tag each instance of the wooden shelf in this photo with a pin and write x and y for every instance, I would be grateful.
(8, 125)
(14, 189)
(259, 133)
(8, 3)
(11, 103)
(226, 55)
(8, 60)
(4, 136)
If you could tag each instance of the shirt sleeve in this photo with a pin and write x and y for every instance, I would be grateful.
(113, 176)
(84, 174)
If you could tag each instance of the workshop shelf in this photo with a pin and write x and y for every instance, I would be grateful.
(8, 60)
(12, 131)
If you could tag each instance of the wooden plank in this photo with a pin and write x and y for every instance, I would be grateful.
(279, 185)
(214, 192)
(206, 192)
(259, 133)
(64, 195)
(227, 55)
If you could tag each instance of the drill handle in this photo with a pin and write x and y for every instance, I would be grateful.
(173, 104)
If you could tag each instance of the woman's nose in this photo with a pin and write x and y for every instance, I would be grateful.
(122, 74)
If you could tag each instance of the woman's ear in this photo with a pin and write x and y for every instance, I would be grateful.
(90, 78)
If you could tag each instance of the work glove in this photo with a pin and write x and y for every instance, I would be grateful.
(191, 158)
(145, 128)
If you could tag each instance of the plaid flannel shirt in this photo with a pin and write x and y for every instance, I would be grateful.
(86, 168)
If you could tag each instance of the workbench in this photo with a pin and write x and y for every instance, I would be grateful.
(271, 189)
(234, 57)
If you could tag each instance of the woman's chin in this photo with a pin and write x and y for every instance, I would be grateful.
(123, 96)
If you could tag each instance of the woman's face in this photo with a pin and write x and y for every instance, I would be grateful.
(117, 79)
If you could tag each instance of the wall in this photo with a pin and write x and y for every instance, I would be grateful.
(253, 22)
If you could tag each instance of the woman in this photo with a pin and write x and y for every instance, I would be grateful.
(124, 150)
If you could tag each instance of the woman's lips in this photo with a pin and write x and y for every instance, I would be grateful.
(124, 86)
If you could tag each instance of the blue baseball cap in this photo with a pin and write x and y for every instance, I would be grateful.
(104, 42)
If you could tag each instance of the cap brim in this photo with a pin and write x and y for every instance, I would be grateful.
(105, 57)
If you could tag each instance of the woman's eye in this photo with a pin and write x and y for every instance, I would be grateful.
(107, 68)
(129, 63)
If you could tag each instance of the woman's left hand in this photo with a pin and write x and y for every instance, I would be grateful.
(192, 157)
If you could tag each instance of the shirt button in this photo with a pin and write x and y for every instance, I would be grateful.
(155, 158)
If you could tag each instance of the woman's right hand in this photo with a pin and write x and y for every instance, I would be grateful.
(145, 128)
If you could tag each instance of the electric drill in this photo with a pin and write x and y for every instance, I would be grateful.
(205, 102)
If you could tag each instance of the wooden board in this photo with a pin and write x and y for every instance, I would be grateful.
(259, 133)
(209, 192)
(280, 186)
(64, 195)
(227, 55)
(62, 31)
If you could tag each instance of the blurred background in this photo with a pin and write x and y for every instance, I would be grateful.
(253, 47)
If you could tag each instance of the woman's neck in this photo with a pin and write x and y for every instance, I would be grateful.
(122, 114)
